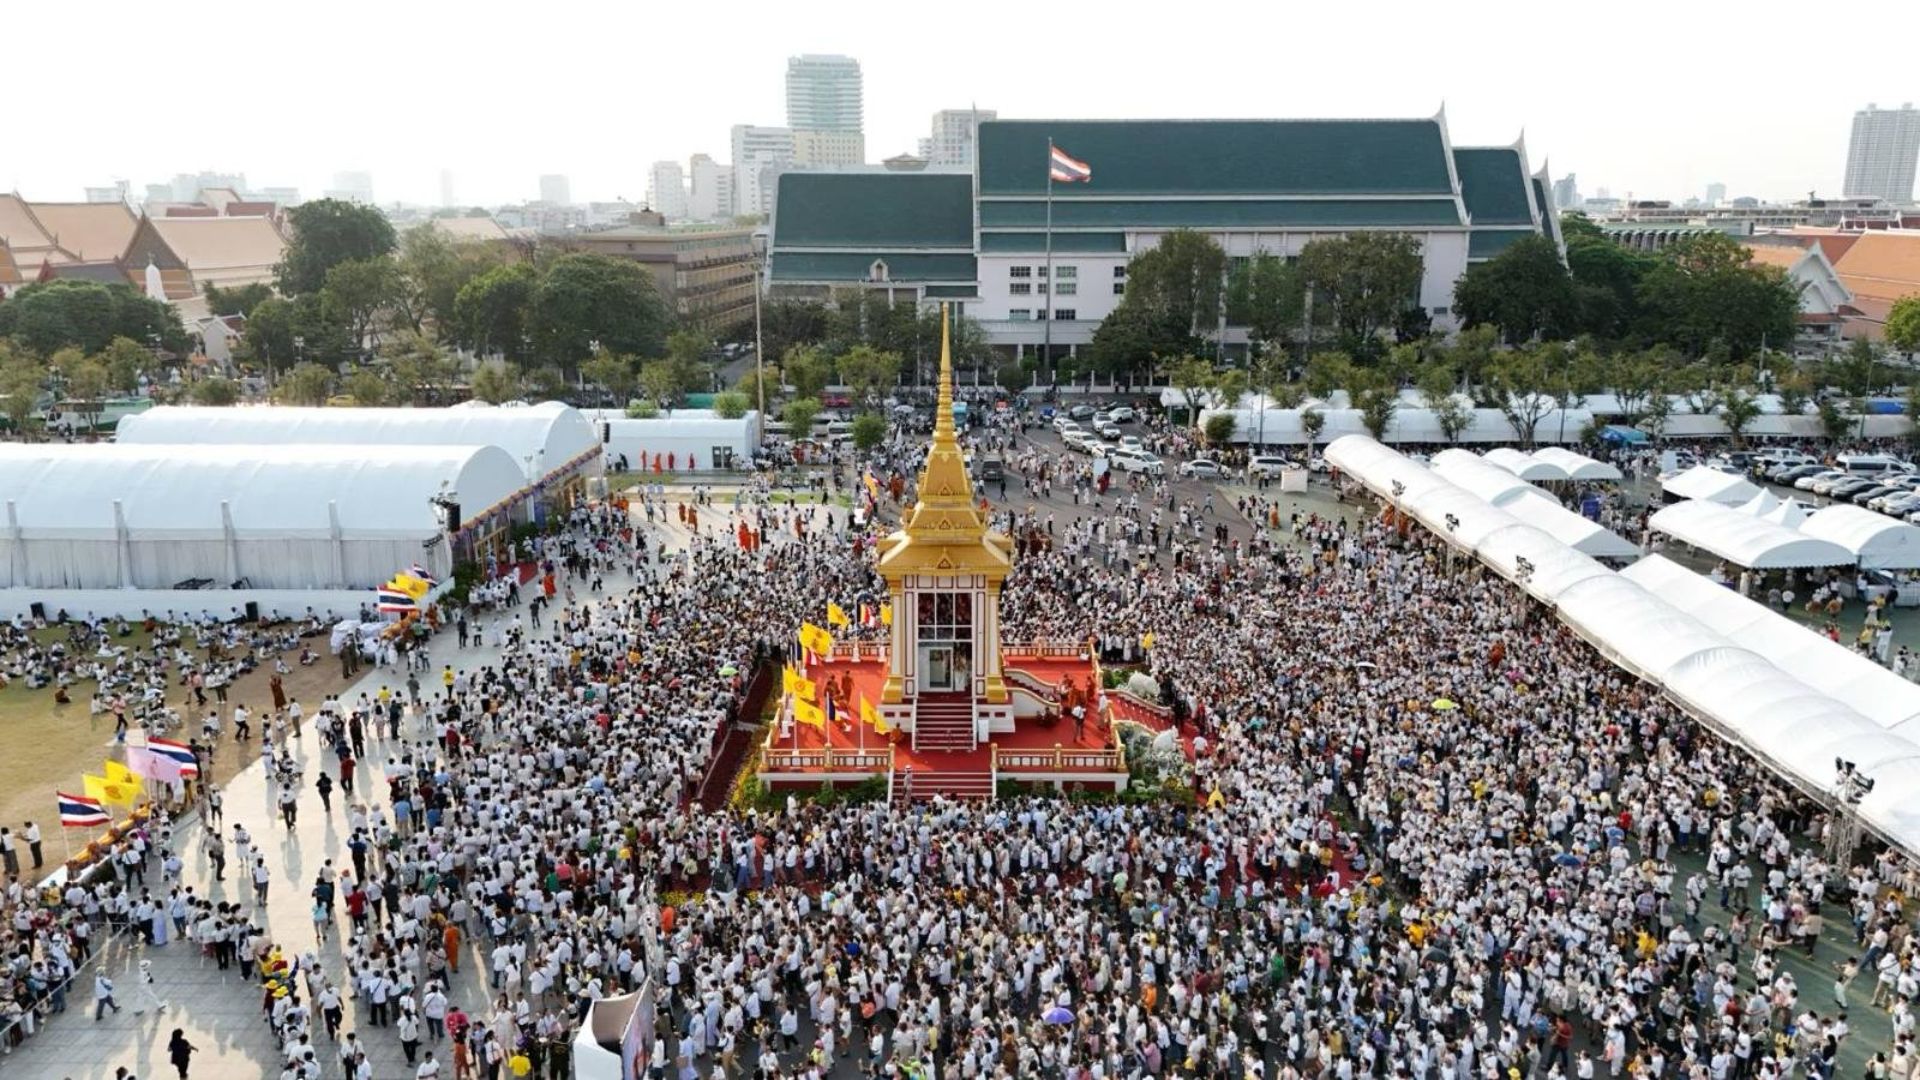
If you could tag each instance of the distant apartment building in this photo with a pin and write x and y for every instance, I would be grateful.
(706, 274)
(760, 154)
(555, 189)
(352, 187)
(1566, 193)
(118, 192)
(1883, 152)
(824, 93)
(1716, 193)
(667, 190)
(709, 190)
(955, 131)
(1743, 215)
(828, 149)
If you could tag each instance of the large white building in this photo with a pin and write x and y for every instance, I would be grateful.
(824, 93)
(667, 190)
(760, 155)
(828, 149)
(955, 131)
(980, 238)
(555, 189)
(1883, 152)
(710, 196)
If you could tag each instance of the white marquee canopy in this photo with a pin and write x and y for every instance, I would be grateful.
(1710, 485)
(1744, 540)
(1878, 541)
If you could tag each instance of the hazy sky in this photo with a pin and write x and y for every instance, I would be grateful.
(1656, 99)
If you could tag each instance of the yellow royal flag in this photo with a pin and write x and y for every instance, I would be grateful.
(837, 616)
(1146, 640)
(809, 714)
(886, 614)
(816, 640)
(803, 689)
(788, 677)
(119, 774)
(110, 792)
(407, 583)
(872, 716)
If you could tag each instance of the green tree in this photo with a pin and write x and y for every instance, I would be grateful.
(1524, 291)
(1180, 277)
(1377, 398)
(807, 369)
(1606, 277)
(1219, 428)
(660, 381)
(1366, 279)
(361, 295)
(798, 414)
(125, 359)
(216, 390)
(1835, 424)
(730, 405)
(88, 384)
(1903, 324)
(785, 324)
(1015, 376)
(421, 368)
(1795, 389)
(612, 372)
(1327, 372)
(1439, 392)
(494, 311)
(1521, 386)
(1313, 422)
(239, 300)
(22, 378)
(1859, 370)
(544, 382)
(869, 372)
(1706, 289)
(325, 233)
(1738, 410)
(367, 388)
(1659, 410)
(869, 431)
(1134, 335)
(1193, 378)
(582, 298)
(434, 270)
(48, 316)
(1229, 387)
(494, 383)
(307, 384)
(641, 409)
(1267, 296)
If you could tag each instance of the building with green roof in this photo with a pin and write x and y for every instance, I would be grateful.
(1255, 186)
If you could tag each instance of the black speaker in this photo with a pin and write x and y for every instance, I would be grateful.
(39, 610)
(253, 611)
(453, 517)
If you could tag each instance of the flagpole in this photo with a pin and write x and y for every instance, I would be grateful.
(1046, 331)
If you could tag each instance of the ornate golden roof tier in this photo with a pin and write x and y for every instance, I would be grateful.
(945, 532)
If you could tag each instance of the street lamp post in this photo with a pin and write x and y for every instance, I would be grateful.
(1453, 523)
(759, 351)
(1844, 832)
(1522, 575)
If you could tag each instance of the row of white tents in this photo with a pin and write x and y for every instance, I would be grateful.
(1789, 695)
(1750, 527)
(1258, 419)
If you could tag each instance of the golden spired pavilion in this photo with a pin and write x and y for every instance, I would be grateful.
(960, 708)
(944, 569)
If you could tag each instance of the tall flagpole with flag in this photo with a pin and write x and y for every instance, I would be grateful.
(1067, 169)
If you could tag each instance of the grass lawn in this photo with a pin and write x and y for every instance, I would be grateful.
(50, 746)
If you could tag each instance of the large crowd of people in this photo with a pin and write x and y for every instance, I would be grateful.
(1433, 836)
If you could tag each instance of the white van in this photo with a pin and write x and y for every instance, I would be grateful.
(1135, 461)
(1871, 464)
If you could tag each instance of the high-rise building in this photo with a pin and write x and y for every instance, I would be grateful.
(1566, 193)
(824, 94)
(710, 195)
(954, 134)
(352, 187)
(760, 154)
(1716, 193)
(446, 187)
(1883, 152)
(555, 189)
(667, 190)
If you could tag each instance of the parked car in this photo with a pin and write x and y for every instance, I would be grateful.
(1202, 469)
(1082, 412)
(1844, 488)
(1123, 414)
(1899, 505)
(1787, 474)
(1826, 476)
(1267, 465)
(1872, 492)
(1135, 461)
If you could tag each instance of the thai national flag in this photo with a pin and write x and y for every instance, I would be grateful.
(394, 602)
(179, 752)
(421, 573)
(1065, 169)
(79, 812)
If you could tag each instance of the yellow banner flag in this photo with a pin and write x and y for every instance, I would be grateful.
(788, 677)
(886, 614)
(837, 616)
(110, 792)
(1146, 640)
(872, 716)
(809, 714)
(407, 583)
(816, 640)
(119, 774)
(803, 689)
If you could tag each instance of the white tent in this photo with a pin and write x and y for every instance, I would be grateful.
(1745, 541)
(1760, 504)
(1878, 541)
(1811, 657)
(1577, 466)
(1409, 424)
(1524, 466)
(1632, 626)
(1709, 485)
(1483, 478)
(1379, 468)
(1549, 568)
(280, 517)
(1531, 505)
(700, 436)
(1790, 513)
(547, 441)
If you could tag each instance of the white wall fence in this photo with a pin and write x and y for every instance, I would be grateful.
(172, 604)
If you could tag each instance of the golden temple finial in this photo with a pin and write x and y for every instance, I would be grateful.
(944, 507)
(943, 408)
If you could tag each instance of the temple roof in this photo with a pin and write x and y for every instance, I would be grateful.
(945, 533)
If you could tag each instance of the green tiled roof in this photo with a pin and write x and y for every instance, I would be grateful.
(1486, 243)
(1493, 185)
(854, 266)
(1077, 243)
(952, 292)
(1229, 214)
(1219, 157)
(1548, 215)
(874, 210)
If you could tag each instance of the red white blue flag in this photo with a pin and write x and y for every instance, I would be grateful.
(79, 812)
(1066, 168)
(179, 752)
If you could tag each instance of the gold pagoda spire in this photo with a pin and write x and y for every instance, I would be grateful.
(944, 510)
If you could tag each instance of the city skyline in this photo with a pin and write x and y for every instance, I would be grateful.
(1580, 110)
